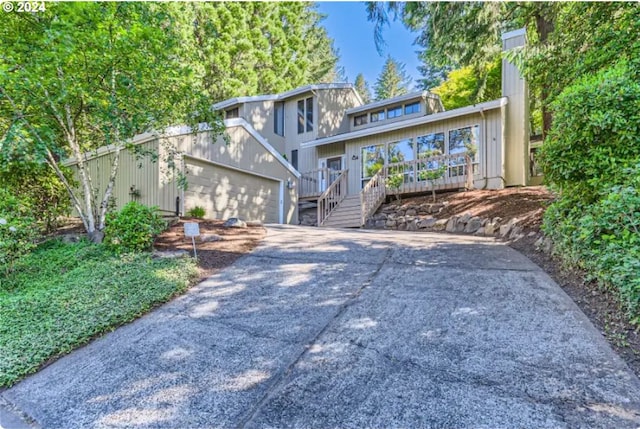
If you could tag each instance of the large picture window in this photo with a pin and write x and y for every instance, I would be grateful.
(305, 115)
(430, 145)
(428, 152)
(459, 141)
(372, 161)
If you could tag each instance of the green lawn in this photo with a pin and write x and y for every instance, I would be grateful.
(62, 295)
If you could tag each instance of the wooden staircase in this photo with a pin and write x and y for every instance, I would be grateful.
(348, 214)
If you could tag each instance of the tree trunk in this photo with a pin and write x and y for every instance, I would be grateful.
(469, 167)
(544, 27)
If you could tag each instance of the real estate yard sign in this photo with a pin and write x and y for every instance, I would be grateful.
(192, 229)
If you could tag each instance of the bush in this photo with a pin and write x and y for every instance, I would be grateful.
(17, 233)
(41, 188)
(604, 238)
(133, 228)
(197, 212)
(595, 133)
(592, 158)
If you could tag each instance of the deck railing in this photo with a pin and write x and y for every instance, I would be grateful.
(414, 177)
(332, 196)
(313, 183)
(372, 195)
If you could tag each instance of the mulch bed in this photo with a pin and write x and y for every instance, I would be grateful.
(212, 256)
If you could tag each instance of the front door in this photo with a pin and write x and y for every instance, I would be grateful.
(329, 171)
(334, 165)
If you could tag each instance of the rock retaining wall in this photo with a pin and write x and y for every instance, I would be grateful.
(425, 217)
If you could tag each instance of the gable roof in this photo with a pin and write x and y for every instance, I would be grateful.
(284, 95)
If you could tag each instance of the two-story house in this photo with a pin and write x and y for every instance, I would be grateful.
(321, 144)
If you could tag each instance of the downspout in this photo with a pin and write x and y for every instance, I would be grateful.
(486, 148)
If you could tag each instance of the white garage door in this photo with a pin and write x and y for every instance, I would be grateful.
(225, 193)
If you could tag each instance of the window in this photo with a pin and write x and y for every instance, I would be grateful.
(372, 161)
(278, 118)
(360, 120)
(400, 151)
(232, 113)
(305, 115)
(412, 108)
(377, 116)
(309, 114)
(294, 158)
(430, 145)
(394, 112)
(459, 141)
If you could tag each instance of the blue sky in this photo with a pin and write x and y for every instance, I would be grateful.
(347, 24)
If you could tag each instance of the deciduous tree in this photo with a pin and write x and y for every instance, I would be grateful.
(85, 75)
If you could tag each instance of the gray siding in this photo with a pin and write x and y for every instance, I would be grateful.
(226, 193)
(516, 144)
(489, 153)
(243, 152)
(141, 173)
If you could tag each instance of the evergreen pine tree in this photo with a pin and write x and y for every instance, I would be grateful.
(392, 81)
(363, 88)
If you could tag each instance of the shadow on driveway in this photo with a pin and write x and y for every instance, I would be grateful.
(340, 328)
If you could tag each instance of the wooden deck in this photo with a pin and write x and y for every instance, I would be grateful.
(329, 187)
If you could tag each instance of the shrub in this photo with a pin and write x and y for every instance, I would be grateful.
(17, 233)
(39, 186)
(595, 133)
(133, 228)
(395, 181)
(197, 212)
(604, 238)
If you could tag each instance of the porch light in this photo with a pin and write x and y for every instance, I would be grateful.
(290, 184)
(354, 157)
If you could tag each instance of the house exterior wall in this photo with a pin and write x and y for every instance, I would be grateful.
(331, 106)
(515, 88)
(142, 173)
(243, 152)
(489, 153)
(224, 192)
(260, 115)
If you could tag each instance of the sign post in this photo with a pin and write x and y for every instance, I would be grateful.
(192, 229)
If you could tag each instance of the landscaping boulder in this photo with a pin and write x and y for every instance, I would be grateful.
(465, 218)
(473, 225)
(490, 228)
(428, 222)
(451, 224)
(210, 238)
(234, 222)
(411, 212)
(440, 224)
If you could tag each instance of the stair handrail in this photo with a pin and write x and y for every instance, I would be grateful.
(331, 198)
(372, 195)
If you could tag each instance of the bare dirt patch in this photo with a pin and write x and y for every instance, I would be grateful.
(212, 255)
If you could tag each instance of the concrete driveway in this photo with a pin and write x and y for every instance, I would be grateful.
(332, 328)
